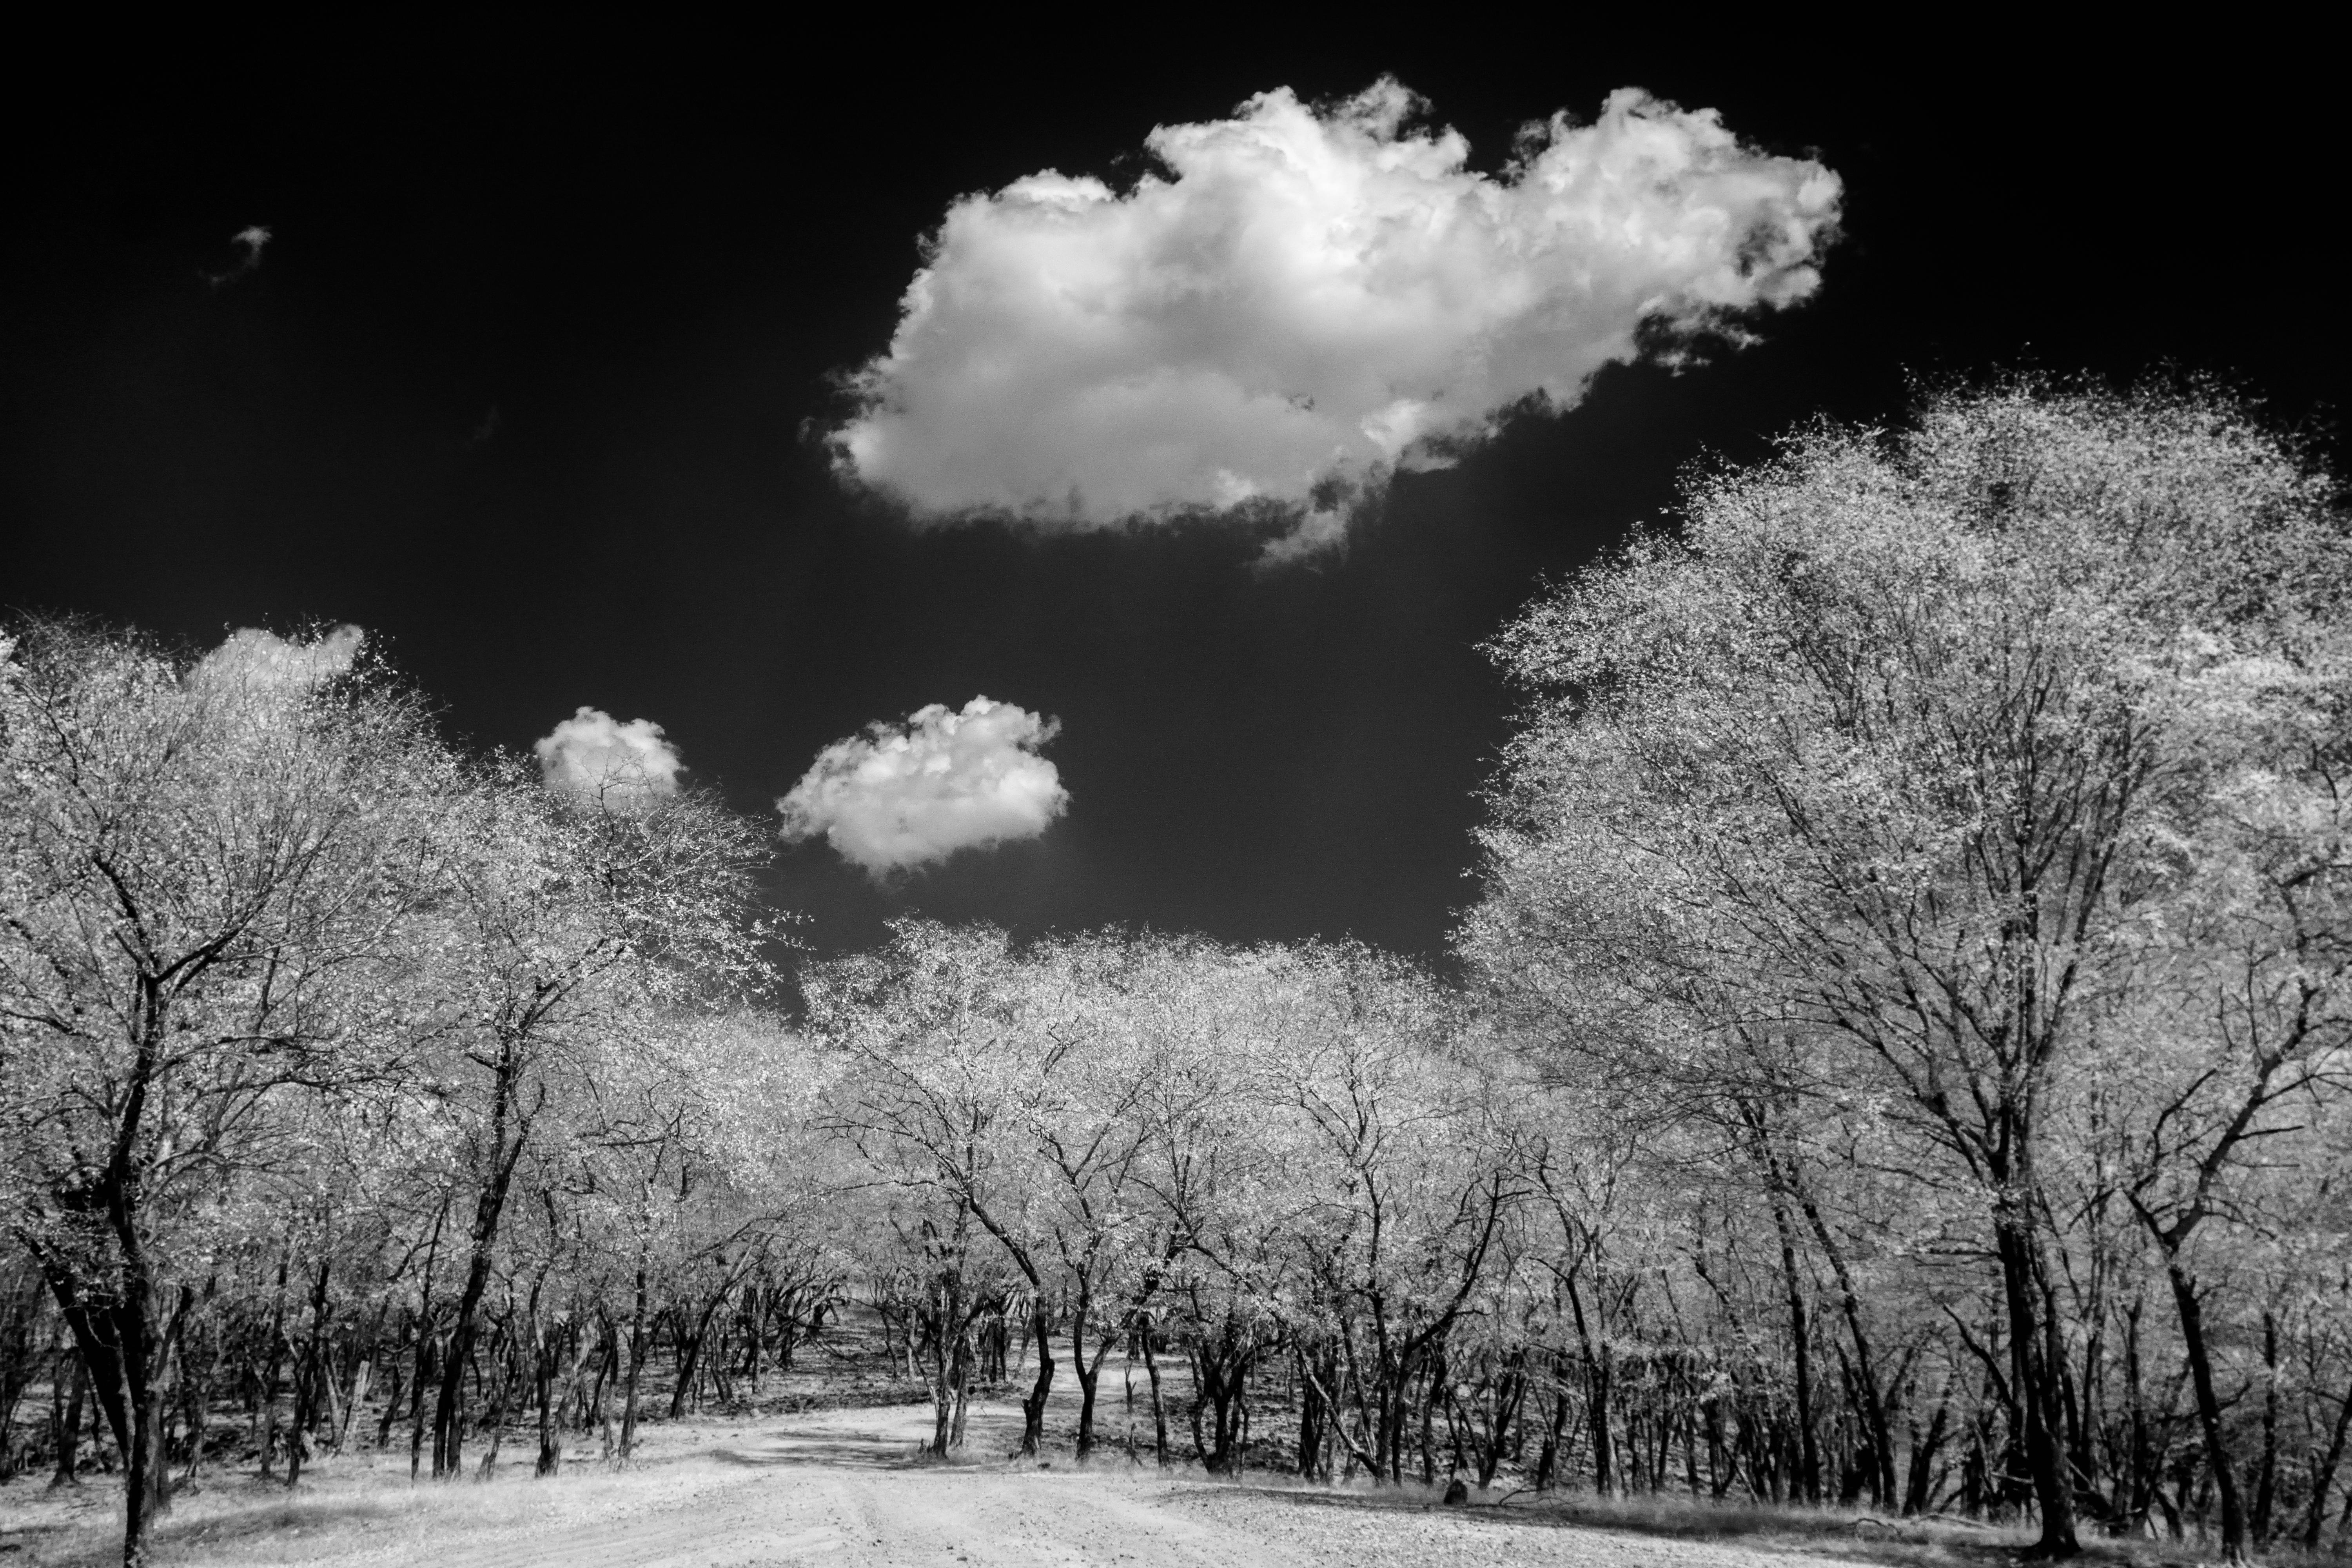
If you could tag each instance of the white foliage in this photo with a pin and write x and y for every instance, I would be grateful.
(259, 659)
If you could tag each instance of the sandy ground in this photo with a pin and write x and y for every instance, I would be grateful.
(836, 1487)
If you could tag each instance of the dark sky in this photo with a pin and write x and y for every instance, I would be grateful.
(521, 385)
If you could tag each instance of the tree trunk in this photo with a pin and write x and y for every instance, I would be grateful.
(116, 1336)
(1865, 1368)
(2266, 1472)
(1924, 1448)
(145, 1490)
(494, 1420)
(423, 1344)
(690, 1355)
(1159, 1406)
(425, 1350)
(1597, 1390)
(1808, 1454)
(546, 1361)
(506, 1113)
(308, 1376)
(2314, 1517)
(2209, 1410)
(362, 1375)
(1311, 1417)
(67, 1422)
(2035, 1358)
(1033, 1408)
(1433, 1389)
(963, 1370)
(637, 1365)
(275, 1347)
(1088, 1374)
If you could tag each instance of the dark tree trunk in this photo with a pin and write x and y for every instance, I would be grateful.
(308, 1376)
(2209, 1410)
(2266, 1472)
(117, 1336)
(1158, 1405)
(2314, 1517)
(1808, 1454)
(67, 1421)
(547, 1361)
(1032, 1407)
(1555, 1434)
(1919, 1482)
(1088, 1371)
(423, 1369)
(1865, 1367)
(274, 1361)
(2035, 1359)
(1312, 1414)
(509, 1130)
(635, 1367)
(1597, 1391)
(1433, 1390)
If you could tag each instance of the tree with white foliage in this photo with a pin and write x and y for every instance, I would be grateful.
(1888, 739)
(208, 871)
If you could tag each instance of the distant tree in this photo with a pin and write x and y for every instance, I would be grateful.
(952, 1056)
(573, 922)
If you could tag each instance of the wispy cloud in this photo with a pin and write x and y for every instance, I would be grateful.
(594, 756)
(1308, 301)
(251, 239)
(899, 796)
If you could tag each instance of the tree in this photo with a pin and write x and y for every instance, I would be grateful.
(207, 870)
(1885, 741)
(2239, 1016)
(1405, 1179)
(949, 1055)
(576, 919)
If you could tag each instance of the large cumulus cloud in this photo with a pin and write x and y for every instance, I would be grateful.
(1309, 300)
(901, 796)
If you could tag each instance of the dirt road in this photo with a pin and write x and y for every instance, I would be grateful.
(840, 1488)
(844, 1488)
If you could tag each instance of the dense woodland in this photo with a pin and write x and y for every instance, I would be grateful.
(1894, 1053)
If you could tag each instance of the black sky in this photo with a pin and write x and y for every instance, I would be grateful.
(520, 383)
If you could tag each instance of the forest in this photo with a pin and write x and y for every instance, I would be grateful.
(1894, 1052)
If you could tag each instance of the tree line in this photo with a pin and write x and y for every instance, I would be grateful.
(1895, 1053)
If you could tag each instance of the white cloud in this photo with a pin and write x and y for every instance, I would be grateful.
(594, 754)
(898, 797)
(1308, 298)
(257, 658)
(252, 237)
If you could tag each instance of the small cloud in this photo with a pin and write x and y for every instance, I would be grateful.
(251, 239)
(594, 756)
(1308, 300)
(1311, 534)
(256, 658)
(901, 796)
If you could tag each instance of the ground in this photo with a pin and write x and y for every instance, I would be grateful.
(849, 1487)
